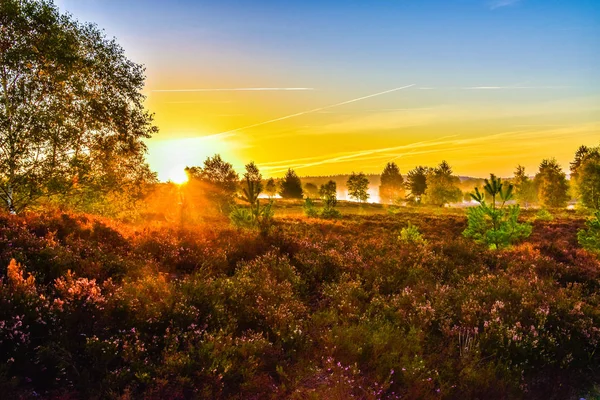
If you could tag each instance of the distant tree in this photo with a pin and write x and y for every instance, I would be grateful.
(219, 181)
(358, 186)
(311, 190)
(552, 185)
(442, 186)
(72, 117)
(585, 175)
(271, 188)
(525, 190)
(391, 188)
(416, 183)
(291, 186)
(328, 192)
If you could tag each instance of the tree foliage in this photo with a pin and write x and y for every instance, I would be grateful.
(271, 188)
(552, 185)
(328, 193)
(416, 183)
(525, 190)
(589, 238)
(358, 186)
(391, 188)
(291, 186)
(442, 186)
(219, 181)
(585, 174)
(252, 185)
(311, 190)
(495, 225)
(257, 216)
(72, 119)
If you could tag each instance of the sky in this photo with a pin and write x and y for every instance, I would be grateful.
(331, 87)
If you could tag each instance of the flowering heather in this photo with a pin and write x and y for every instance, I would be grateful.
(312, 309)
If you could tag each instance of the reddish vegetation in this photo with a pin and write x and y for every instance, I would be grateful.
(313, 309)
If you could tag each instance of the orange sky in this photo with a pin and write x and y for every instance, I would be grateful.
(331, 87)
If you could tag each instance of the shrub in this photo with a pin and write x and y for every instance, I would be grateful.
(589, 238)
(544, 215)
(492, 225)
(411, 234)
(309, 208)
(330, 213)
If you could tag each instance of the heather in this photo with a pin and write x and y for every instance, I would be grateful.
(308, 309)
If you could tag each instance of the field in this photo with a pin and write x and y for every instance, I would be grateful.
(312, 309)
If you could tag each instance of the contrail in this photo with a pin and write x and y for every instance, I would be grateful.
(252, 89)
(306, 112)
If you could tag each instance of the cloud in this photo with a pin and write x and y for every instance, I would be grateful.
(514, 87)
(314, 110)
(249, 89)
(502, 3)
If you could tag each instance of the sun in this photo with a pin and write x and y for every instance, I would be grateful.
(177, 175)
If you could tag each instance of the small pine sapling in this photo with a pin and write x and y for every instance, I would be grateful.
(496, 224)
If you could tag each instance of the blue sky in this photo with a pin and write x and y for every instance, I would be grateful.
(506, 62)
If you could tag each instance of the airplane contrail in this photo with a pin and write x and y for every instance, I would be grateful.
(227, 133)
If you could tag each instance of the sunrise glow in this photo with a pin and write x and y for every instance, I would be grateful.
(316, 86)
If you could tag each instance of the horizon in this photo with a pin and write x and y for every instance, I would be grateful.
(327, 89)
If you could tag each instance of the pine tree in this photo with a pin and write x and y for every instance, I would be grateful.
(495, 225)
(291, 186)
(391, 188)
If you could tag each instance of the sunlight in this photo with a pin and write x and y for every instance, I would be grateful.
(177, 175)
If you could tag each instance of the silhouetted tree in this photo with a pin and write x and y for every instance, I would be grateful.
(442, 186)
(358, 186)
(391, 188)
(219, 181)
(271, 188)
(328, 192)
(311, 190)
(72, 120)
(257, 216)
(252, 185)
(525, 191)
(291, 186)
(416, 183)
(585, 174)
(552, 185)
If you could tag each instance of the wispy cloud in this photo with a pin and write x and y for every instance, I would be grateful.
(314, 110)
(514, 87)
(249, 89)
(502, 3)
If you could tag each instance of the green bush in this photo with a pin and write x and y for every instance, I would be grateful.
(544, 215)
(330, 213)
(495, 225)
(589, 238)
(309, 208)
(411, 234)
